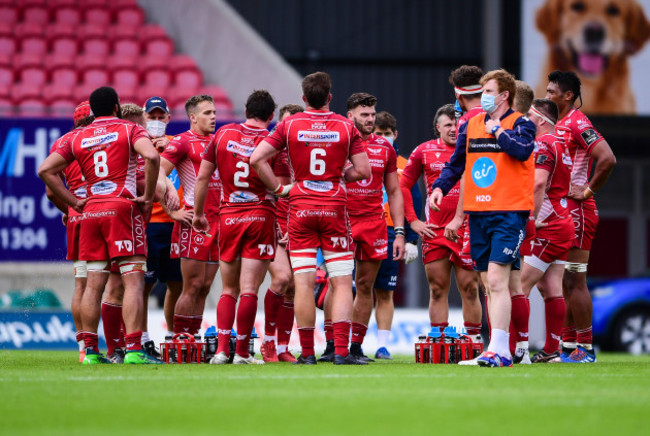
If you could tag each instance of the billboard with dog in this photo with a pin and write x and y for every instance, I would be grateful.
(603, 41)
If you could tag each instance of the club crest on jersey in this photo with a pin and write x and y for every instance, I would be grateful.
(309, 136)
(240, 149)
(374, 150)
(99, 140)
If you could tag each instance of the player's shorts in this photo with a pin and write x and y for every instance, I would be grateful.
(282, 213)
(72, 229)
(389, 268)
(585, 222)
(110, 229)
(160, 267)
(439, 247)
(247, 233)
(552, 242)
(313, 226)
(369, 238)
(526, 246)
(497, 238)
(187, 243)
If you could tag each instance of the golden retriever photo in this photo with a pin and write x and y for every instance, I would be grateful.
(594, 38)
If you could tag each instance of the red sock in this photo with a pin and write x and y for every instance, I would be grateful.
(519, 317)
(473, 328)
(91, 341)
(112, 320)
(306, 335)
(182, 323)
(225, 320)
(358, 332)
(285, 323)
(272, 304)
(79, 336)
(245, 321)
(440, 325)
(554, 313)
(569, 335)
(133, 341)
(341, 337)
(584, 337)
(329, 331)
(197, 320)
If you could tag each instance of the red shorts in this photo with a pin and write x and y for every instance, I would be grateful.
(72, 229)
(439, 247)
(282, 213)
(369, 238)
(187, 243)
(247, 233)
(585, 222)
(112, 228)
(526, 245)
(552, 242)
(313, 226)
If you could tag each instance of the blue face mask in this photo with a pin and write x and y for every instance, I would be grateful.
(487, 103)
(390, 139)
(458, 110)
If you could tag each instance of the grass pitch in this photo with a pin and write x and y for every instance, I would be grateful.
(50, 393)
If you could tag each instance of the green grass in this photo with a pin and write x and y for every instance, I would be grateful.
(49, 393)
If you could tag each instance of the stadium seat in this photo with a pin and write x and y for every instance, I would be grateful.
(34, 44)
(120, 62)
(182, 63)
(64, 3)
(65, 46)
(33, 75)
(86, 31)
(7, 76)
(126, 78)
(129, 16)
(64, 76)
(8, 45)
(53, 92)
(153, 63)
(178, 110)
(157, 78)
(68, 15)
(98, 16)
(6, 107)
(82, 92)
(21, 92)
(149, 32)
(8, 14)
(31, 107)
(159, 47)
(96, 46)
(188, 79)
(126, 47)
(95, 77)
(223, 110)
(25, 60)
(60, 30)
(116, 32)
(92, 61)
(218, 93)
(62, 108)
(127, 93)
(36, 14)
(144, 92)
(178, 96)
(98, 3)
(117, 4)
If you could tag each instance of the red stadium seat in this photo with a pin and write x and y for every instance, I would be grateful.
(60, 30)
(21, 92)
(98, 16)
(126, 47)
(129, 16)
(64, 76)
(7, 76)
(153, 63)
(34, 44)
(65, 46)
(95, 77)
(182, 63)
(6, 107)
(63, 3)
(123, 32)
(68, 15)
(8, 45)
(144, 92)
(120, 62)
(26, 60)
(223, 109)
(23, 30)
(31, 107)
(159, 47)
(53, 92)
(178, 95)
(117, 4)
(157, 78)
(35, 76)
(62, 108)
(8, 14)
(218, 93)
(86, 31)
(188, 78)
(127, 93)
(150, 32)
(99, 3)
(126, 78)
(53, 61)
(92, 61)
(36, 14)
(96, 46)
(82, 92)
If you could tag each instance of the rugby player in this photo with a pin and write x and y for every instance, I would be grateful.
(319, 144)
(585, 144)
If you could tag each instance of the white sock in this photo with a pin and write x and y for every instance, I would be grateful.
(268, 338)
(82, 345)
(499, 343)
(145, 337)
(382, 338)
(282, 349)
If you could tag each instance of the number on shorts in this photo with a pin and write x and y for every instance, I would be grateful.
(317, 166)
(101, 169)
(239, 175)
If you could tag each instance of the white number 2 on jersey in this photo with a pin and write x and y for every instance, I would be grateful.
(242, 174)
(101, 169)
(317, 166)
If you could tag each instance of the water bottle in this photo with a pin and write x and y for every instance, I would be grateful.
(232, 345)
(210, 339)
(169, 347)
(251, 342)
(450, 336)
(197, 350)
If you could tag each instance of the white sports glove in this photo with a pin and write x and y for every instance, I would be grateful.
(411, 252)
(283, 190)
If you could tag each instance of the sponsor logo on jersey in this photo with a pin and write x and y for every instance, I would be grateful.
(242, 197)
(566, 159)
(563, 203)
(380, 242)
(304, 213)
(484, 145)
(484, 172)
(240, 149)
(319, 126)
(81, 192)
(99, 214)
(99, 140)
(541, 158)
(244, 219)
(102, 188)
(318, 186)
(308, 136)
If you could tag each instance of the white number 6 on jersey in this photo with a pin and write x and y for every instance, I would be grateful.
(317, 166)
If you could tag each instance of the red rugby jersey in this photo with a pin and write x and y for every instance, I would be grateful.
(230, 150)
(430, 157)
(365, 197)
(553, 156)
(281, 168)
(477, 110)
(106, 156)
(72, 176)
(319, 144)
(185, 152)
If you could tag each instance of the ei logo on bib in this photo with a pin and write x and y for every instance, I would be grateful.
(484, 172)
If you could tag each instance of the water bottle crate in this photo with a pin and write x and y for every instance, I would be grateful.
(436, 351)
(183, 348)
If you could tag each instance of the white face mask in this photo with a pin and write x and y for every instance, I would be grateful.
(156, 128)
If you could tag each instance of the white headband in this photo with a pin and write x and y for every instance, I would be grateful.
(541, 115)
(471, 89)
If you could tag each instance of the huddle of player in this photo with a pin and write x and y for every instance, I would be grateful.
(254, 201)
